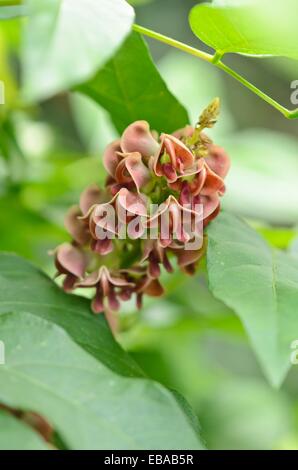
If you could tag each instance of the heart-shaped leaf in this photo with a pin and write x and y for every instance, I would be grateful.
(131, 88)
(261, 285)
(66, 41)
(253, 27)
(90, 406)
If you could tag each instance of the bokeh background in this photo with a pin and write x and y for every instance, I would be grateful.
(188, 340)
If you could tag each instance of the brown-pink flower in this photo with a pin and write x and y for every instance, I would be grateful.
(174, 160)
(119, 244)
(109, 286)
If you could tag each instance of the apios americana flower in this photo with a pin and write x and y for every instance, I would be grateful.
(156, 255)
(72, 262)
(176, 222)
(74, 220)
(126, 159)
(174, 160)
(116, 217)
(119, 244)
(108, 286)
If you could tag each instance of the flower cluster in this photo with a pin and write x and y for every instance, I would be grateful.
(118, 242)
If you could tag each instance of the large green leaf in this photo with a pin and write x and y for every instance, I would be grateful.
(130, 88)
(254, 27)
(261, 285)
(16, 435)
(66, 41)
(24, 288)
(90, 406)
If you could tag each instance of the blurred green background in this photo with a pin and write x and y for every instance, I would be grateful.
(188, 340)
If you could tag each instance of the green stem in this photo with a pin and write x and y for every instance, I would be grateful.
(173, 43)
(215, 60)
(253, 88)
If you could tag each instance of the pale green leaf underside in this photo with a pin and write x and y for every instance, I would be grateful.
(90, 406)
(258, 29)
(260, 285)
(131, 88)
(16, 435)
(66, 41)
(24, 287)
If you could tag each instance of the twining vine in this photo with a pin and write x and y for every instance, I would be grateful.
(214, 59)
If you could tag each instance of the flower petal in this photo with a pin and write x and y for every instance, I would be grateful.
(97, 303)
(153, 288)
(212, 215)
(138, 138)
(75, 226)
(69, 282)
(89, 281)
(181, 160)
(186, 257)
(118, 281)
(111, 157)
(90, 196)
(186, 131)
(198, 182)
(136, 170)
(135, 204)
(113, 302)
(210, 204)
(103, 219)
(104, 275)
(102, 247)
(218, 160)
(71, 259)
(178, 152)
(213, 183)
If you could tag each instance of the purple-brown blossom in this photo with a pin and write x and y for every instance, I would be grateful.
(160, 193)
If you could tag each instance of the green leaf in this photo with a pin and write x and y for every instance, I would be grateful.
(90, 406)
(252, 27)
(24, 288)
(65, 42)
(261, 285)
(16, 435)
(130, 88)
